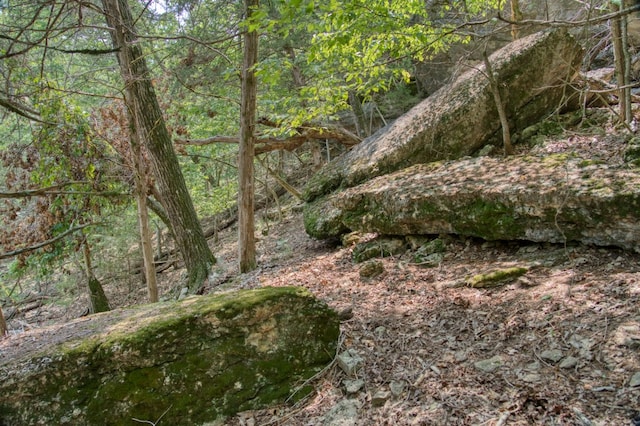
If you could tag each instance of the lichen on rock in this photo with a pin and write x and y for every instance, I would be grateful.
(199, 359)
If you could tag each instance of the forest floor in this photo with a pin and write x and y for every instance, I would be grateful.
(557, 346)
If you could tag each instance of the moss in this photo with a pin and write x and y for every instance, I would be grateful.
(379, 247)
(489, 220)
(200, 359)
(496, 278)
(322, 220)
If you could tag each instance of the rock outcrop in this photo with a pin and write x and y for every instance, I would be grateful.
(457, 120)
(552, 199)
(189, 362)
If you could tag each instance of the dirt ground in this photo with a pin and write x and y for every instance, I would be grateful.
(557, 346)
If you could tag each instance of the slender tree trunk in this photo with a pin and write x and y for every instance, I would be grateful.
(516, 16)
(622, 62)
(358, 114)
(495, 89)
(4, 330)
(143, 218)
(246, 220)
(144, 112)
(97, 299)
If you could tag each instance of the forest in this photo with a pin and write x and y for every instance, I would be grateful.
(152, 151)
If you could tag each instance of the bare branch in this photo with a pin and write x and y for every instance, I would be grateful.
(268, 144)
(46, 242)
(55, 190)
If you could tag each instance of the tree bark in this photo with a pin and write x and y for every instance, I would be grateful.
(4, 330)
(143, 218)
(516, 16)
(495, 90)
(98, 301)
(246, 220)
(144, 112)
(621, 55)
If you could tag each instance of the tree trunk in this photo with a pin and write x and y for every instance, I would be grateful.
(144, 112)
(358, 114)
(621, 55)
(143, 218)
(516, 16)
(246, 220)
(98, 301)
(4, 330)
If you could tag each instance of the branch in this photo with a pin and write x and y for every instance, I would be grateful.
(55, 190)
(44, 243)
(21, 110)
(566, 23)
(266, 144)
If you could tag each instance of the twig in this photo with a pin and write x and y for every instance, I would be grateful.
(150, 422)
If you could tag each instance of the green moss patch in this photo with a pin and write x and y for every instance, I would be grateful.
(198, 360)
(496, 278)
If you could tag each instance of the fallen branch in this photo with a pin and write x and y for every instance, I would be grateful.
(268, 144)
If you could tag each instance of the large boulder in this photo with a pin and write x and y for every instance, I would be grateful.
(189, 362)
(534, 73)
(551, 199)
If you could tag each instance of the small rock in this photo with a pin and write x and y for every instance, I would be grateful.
(489, 365)
(634, 382)
(534, 366)
(349, 361)
(552, 355)
(379, 247)
(353, 386)
(183, 293)
(380, 331)
(344, 413)
(396, 387)
(461, 356)
(531, 378)
(569, 362)
(628, 334)
(371, 269)
(380, 397)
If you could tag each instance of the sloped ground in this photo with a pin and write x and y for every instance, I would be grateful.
(560, 344)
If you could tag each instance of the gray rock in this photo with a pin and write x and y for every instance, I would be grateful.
(344, 413)
(628, 334)
(380, 398)
(489, 365)
(635, 380)
(397, 387)
(569, 362)
(371, 268)
(185, 354)
(458, 119)
(552, 355)
(379, 247)
(353, 386)
(514, 198)
(349, 361)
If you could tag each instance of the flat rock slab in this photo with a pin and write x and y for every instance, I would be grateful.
(191, 362)
(551, 199)
(534, 74)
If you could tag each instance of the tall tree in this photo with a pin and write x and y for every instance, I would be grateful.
(145, 114)
(246, 226)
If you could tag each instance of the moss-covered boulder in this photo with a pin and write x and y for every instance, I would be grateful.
(551, 199)
(535, 75)
(189, 362)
